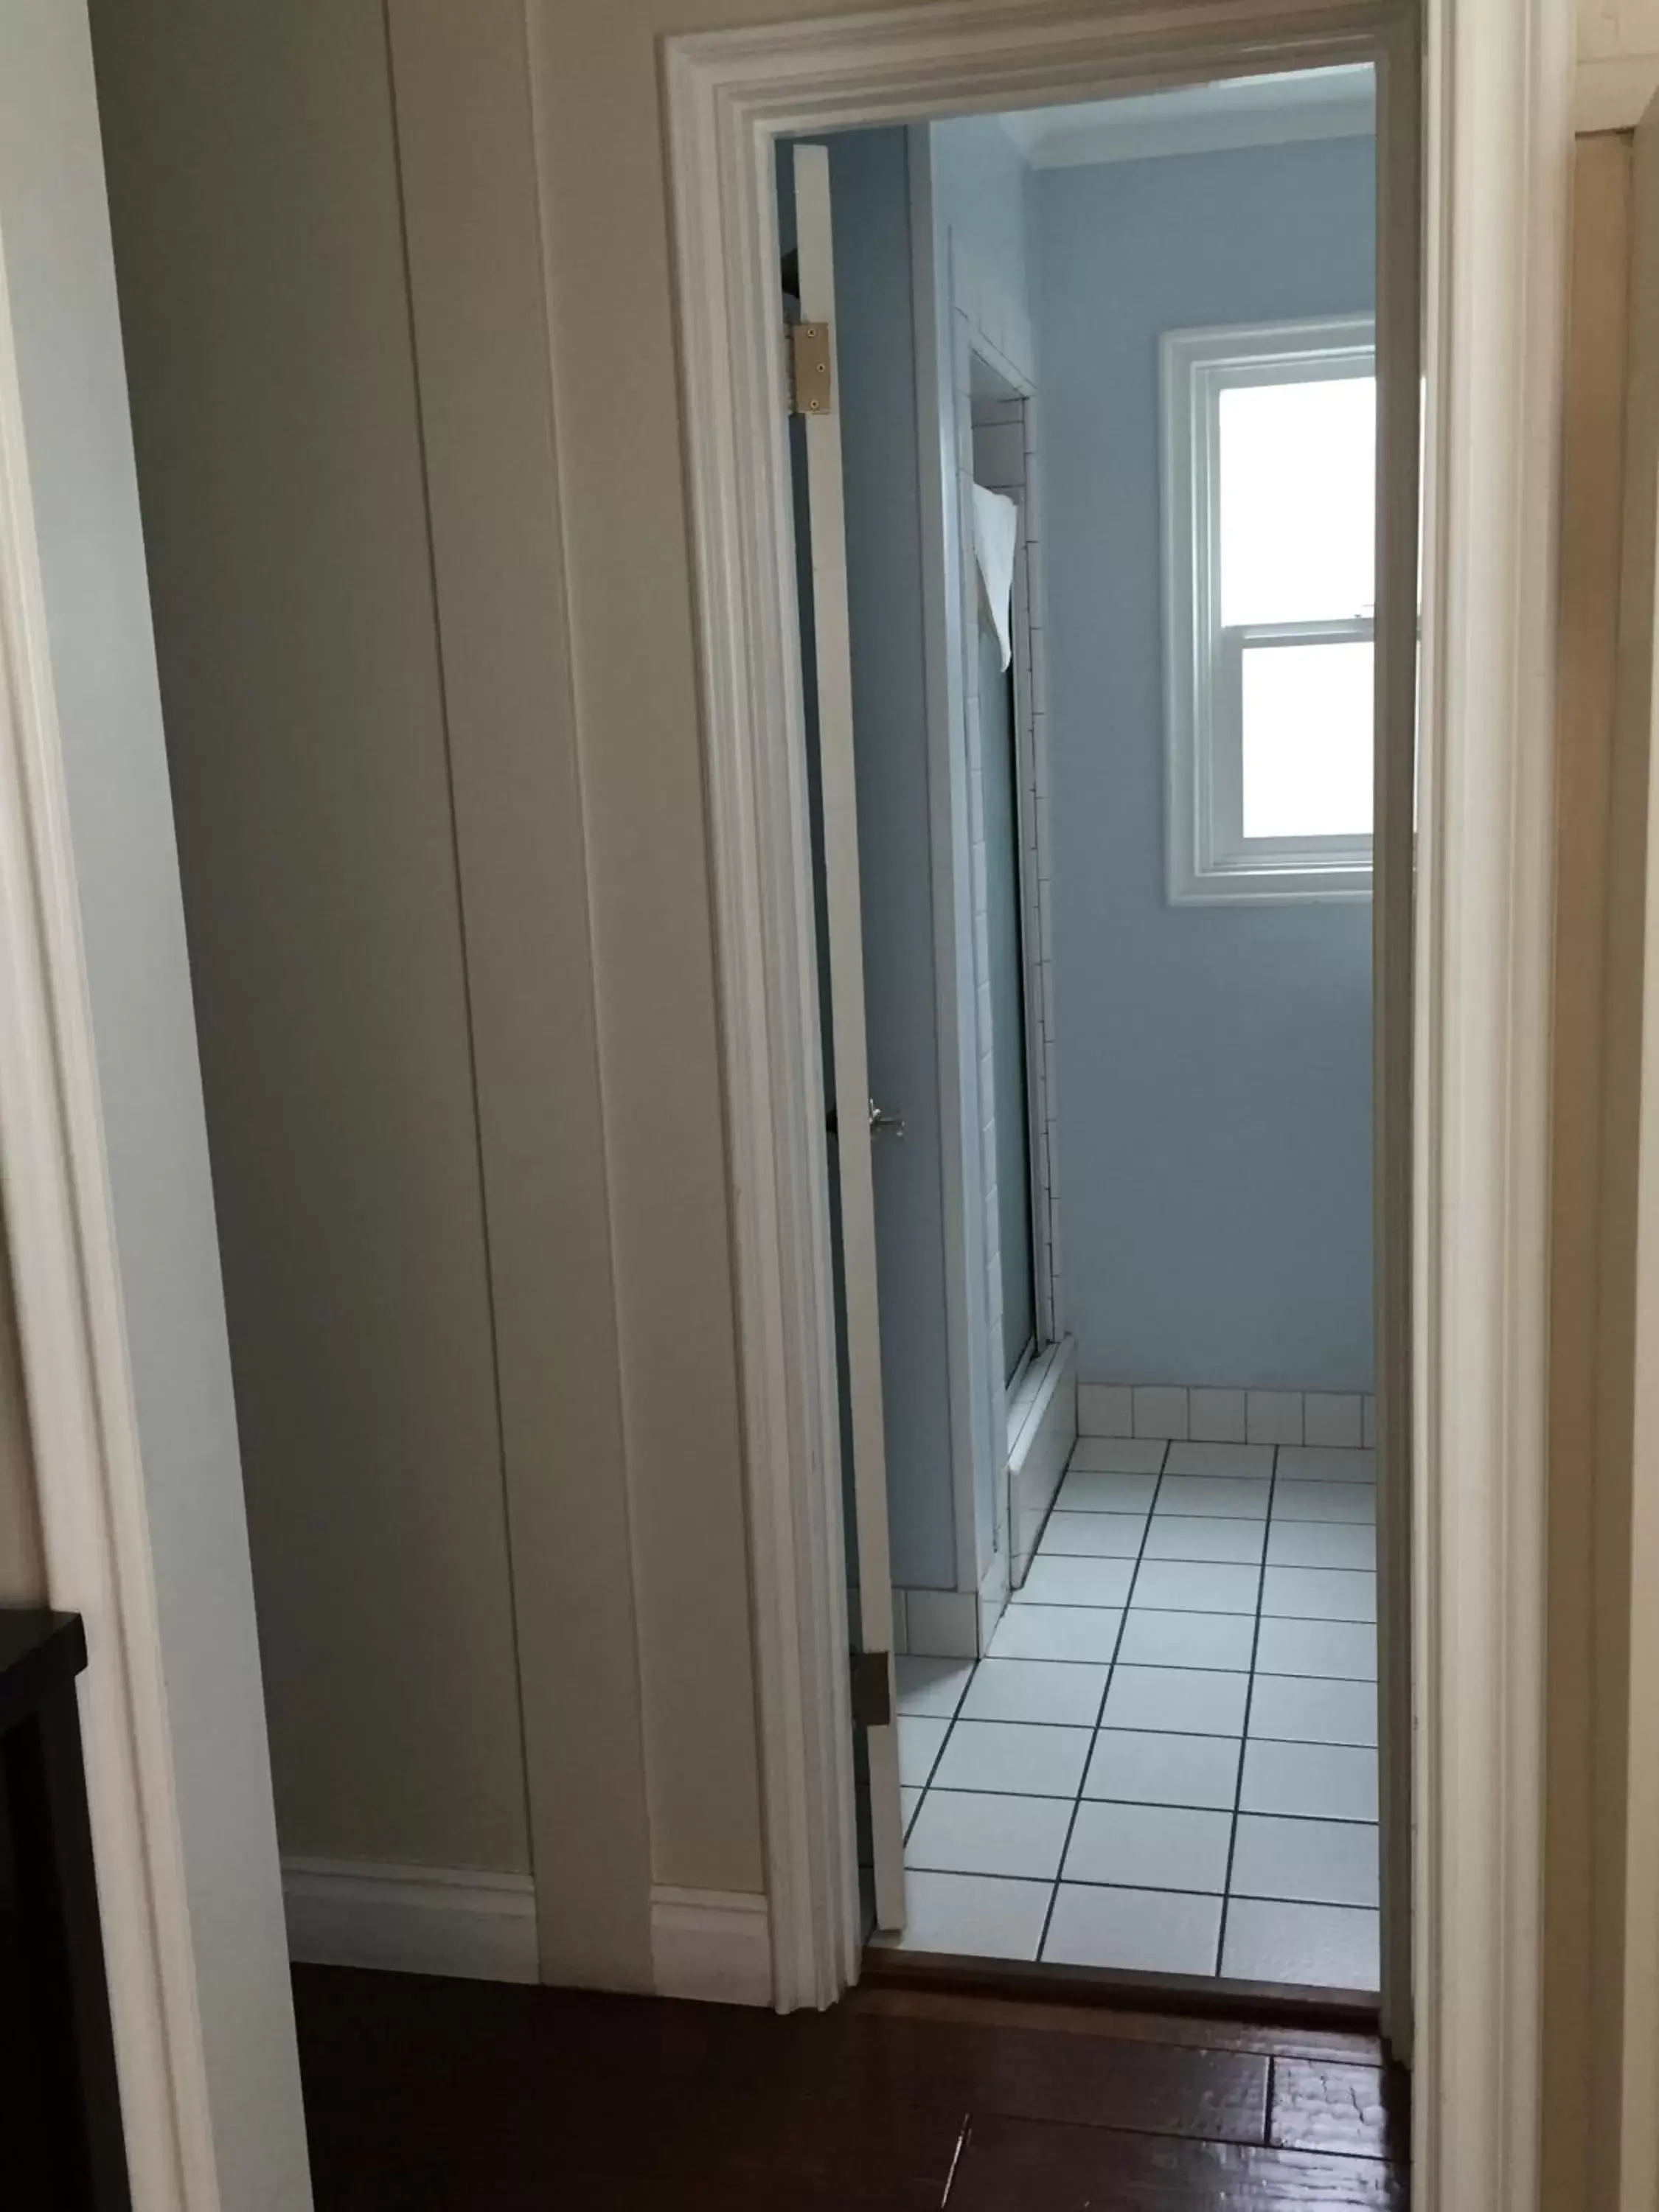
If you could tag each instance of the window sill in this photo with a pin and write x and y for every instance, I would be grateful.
(1267, 886)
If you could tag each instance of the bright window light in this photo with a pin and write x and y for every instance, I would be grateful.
(1307, 740)
(1270, 518)
(1298, 478)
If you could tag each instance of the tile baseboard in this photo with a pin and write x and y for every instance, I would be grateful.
(714, 1945)
(936, 1624)
(411, 1920)
(1043, 1427)
(1226, 1414)
(993, 1594)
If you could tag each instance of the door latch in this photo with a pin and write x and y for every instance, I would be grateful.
(883, 1124)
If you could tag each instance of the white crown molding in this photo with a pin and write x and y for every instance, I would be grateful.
(1197, 119)
(711, 1944)
(411, 1920)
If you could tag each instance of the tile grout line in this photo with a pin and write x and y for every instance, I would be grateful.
(1194, 1735)
(1244, 1731)
(1154, 1889)
(1158, 1804)
(1100, 1711)
(933, 1764)
(1163, 1481)
(1273, 1675)
(1216, 1612)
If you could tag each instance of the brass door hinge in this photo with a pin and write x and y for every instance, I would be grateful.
(872, 1689)
(808, 369)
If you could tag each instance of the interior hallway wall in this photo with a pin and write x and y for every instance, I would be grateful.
(260, 256)
(632, 720)
(1214, 1062)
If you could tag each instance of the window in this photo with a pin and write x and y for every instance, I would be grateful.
(1269, 491)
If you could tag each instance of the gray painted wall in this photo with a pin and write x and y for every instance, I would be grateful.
(1215, 1068)
(259, 251)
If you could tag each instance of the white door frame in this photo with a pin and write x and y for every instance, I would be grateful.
(83, 1423)
(59, 1231)
(1497, 145)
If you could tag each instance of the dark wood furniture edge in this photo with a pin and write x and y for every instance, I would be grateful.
(53, 1907)
(38, 1651)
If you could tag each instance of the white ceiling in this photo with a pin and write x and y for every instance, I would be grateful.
(1198, 118)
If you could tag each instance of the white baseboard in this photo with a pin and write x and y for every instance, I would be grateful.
(411, 1920)
(715, 1944)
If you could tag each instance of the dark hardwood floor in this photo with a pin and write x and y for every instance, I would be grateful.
(448, 2096)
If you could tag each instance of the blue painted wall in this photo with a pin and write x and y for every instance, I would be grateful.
(1214, 1071)
(983, 190)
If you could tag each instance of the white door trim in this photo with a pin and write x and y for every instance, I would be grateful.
(82, 1419)
(1498, 122)
(1499, 141)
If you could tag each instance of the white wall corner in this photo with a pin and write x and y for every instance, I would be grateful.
(411, 1920)
(942, 1624)
(1618, 70)
(1611, 94)
(711, 1944)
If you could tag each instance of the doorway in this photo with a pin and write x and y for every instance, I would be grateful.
(730, 93)
(1137, 1722)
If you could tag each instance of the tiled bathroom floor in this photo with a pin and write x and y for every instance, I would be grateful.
(1168, 1760)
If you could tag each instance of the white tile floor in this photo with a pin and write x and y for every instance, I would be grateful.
(1168, 1760)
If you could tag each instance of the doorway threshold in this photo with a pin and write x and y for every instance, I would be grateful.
(1207, 1997)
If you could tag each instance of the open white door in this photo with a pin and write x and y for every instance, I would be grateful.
(813, 343)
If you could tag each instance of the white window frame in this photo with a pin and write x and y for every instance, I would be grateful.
(1210, 860)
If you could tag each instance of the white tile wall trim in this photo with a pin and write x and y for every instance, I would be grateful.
(1226, 1414)
(411, 1920)
(993, 1597)
(711, 1944)
(940, 1624)
(1039, 1454)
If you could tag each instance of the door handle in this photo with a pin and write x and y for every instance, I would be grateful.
(883, 1123)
